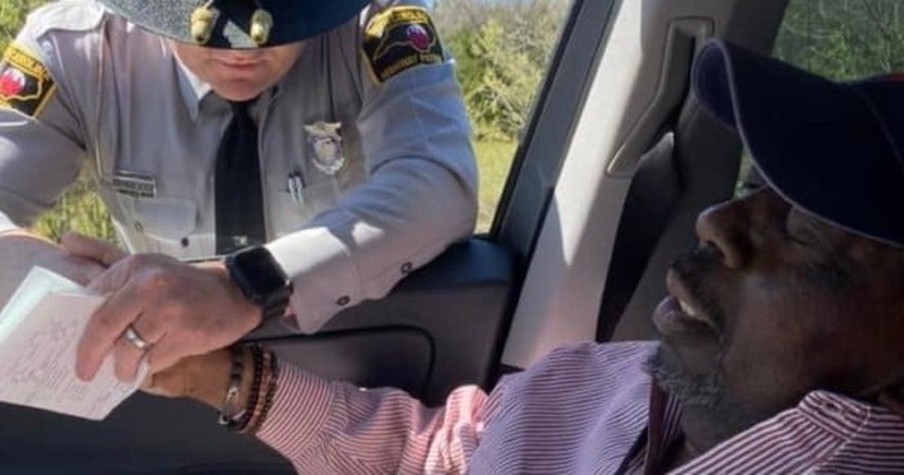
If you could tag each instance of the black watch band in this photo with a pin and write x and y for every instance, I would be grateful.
(255, 271)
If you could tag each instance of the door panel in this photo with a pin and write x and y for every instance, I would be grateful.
(401, 357)
(459, 307)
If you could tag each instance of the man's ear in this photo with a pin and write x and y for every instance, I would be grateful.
(893, 398)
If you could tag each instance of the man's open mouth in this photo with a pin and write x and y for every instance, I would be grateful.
(680, 313)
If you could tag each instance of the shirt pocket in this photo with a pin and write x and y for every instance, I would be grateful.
(291, 206)
(164, 225)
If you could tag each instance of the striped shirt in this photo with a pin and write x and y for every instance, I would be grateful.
(588, 408)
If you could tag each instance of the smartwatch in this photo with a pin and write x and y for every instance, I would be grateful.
(255, 271)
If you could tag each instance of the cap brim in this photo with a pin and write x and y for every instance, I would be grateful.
(816, 142)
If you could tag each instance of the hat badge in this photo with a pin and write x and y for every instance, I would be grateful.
(325, 146)
(204, 17)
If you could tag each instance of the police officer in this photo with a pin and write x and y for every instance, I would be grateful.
(320, 148)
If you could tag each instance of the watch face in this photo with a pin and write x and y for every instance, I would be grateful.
(262, 272)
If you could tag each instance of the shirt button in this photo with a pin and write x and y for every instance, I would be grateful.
(139, 227)
(343, 301)
(184, 242)
(406, 267)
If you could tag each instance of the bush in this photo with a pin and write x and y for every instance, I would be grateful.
(80, 209)
(843, 39)
(501, 58)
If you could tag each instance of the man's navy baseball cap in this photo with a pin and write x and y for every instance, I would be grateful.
(231, 25)
(833, 149)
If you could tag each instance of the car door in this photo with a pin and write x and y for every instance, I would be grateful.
(612, 166)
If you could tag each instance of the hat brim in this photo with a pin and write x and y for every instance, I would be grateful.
(816, 142)
(293, 20)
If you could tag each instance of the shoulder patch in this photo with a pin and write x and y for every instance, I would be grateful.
(25, 83)
(398, 39)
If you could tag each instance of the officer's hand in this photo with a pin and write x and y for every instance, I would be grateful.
(178, 309)
(20, 251)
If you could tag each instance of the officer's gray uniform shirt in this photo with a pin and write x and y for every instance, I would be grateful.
(363, 180)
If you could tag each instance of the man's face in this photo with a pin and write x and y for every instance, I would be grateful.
(775, 303)
(238, 75)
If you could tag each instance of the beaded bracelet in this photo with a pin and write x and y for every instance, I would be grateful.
(229, 409)
(256, 408)
(271, 392)
(260, 397)
(239, 424)
(266, 399)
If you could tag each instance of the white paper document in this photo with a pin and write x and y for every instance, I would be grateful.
(40, 328)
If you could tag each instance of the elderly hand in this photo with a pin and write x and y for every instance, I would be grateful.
(20, 251)
(178, 309)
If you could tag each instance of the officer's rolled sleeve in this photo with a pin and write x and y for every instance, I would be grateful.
(331, 270)
(420, 197)
(405, 217)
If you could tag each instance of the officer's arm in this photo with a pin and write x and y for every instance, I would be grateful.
(420, 197)
(42, 143)
(41, 152)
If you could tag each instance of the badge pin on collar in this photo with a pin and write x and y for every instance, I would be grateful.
(325, 146)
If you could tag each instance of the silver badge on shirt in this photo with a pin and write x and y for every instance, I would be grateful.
(325, 146)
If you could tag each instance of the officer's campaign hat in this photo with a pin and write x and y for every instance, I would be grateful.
(237, 23)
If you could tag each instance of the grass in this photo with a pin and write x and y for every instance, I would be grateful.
(494, 159)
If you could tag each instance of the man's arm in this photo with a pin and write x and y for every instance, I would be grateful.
(335, 427)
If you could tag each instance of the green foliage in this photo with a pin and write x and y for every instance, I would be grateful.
(79, 209)
(501, 51)
(843, 39)
(12, 16)
(494, 159)
(501, 59)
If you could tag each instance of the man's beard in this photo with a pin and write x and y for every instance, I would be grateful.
(703, 395)
(690, 389)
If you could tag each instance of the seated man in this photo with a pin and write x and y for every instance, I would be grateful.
(781, 335)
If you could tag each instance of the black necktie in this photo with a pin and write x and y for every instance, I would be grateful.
(239, 202)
